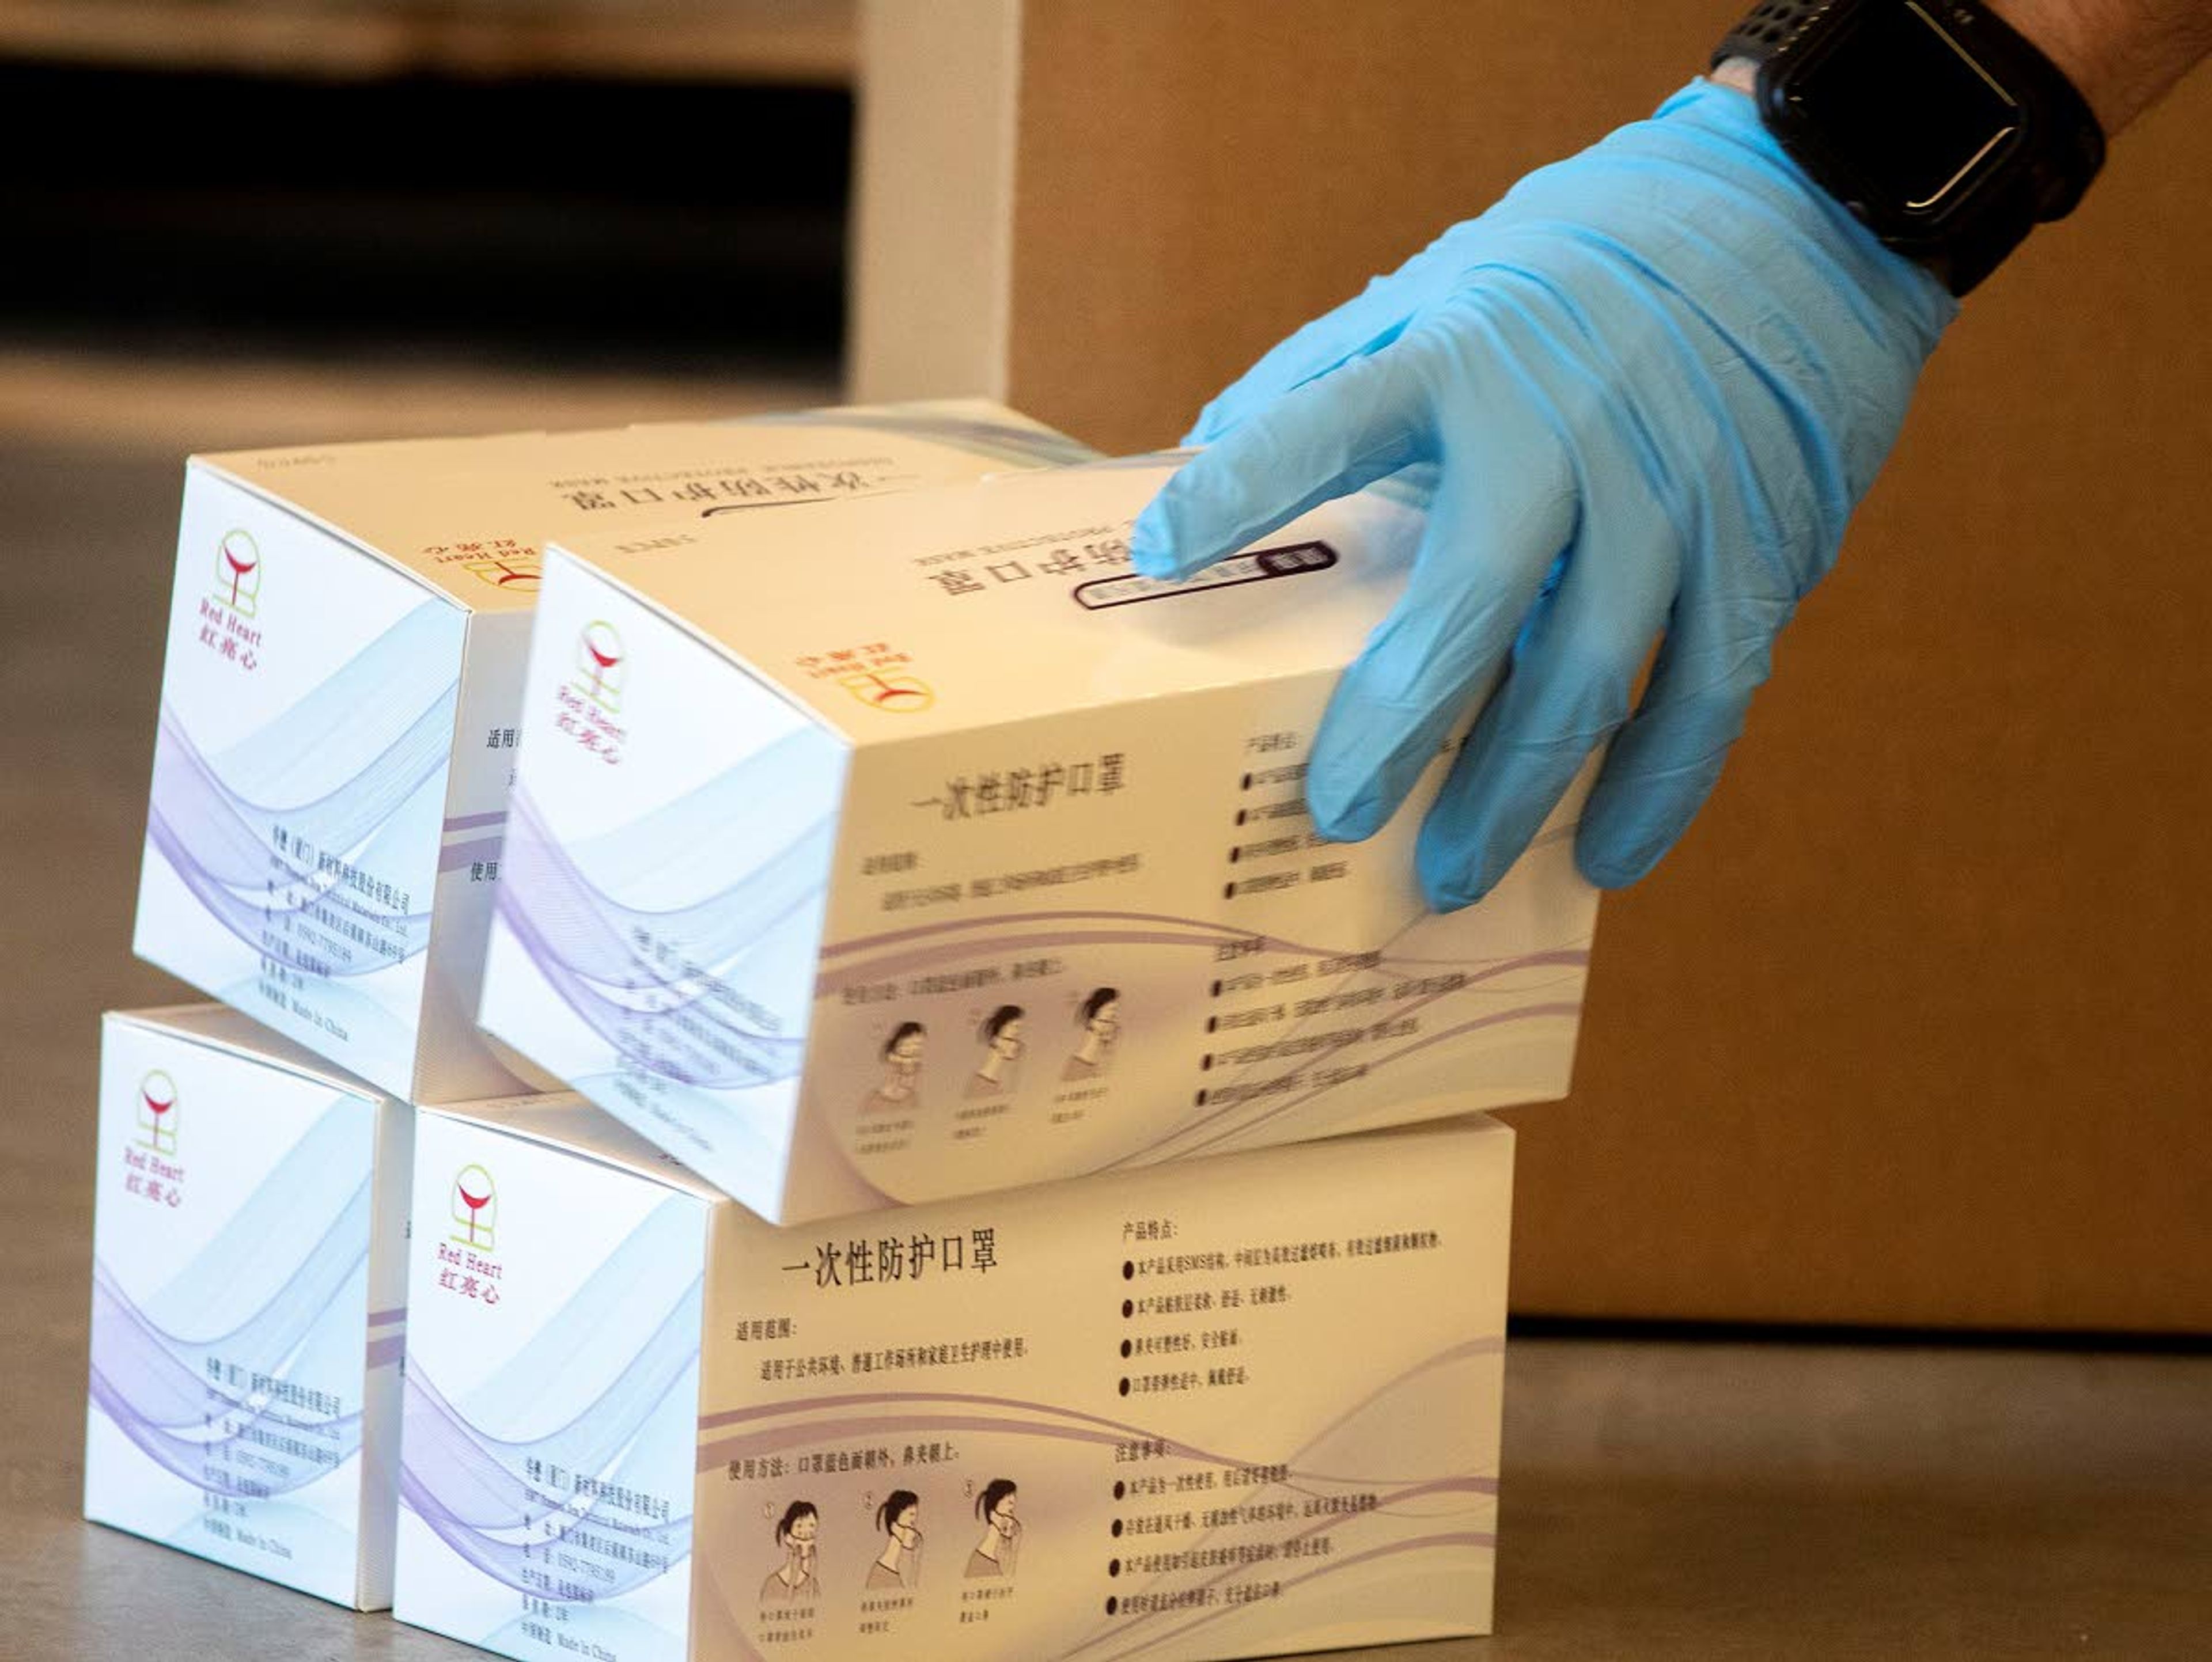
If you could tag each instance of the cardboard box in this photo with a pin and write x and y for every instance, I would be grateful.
(339, 707)
(1219, 1407)
(991, 864)
(249, 1301)
(1932, 904)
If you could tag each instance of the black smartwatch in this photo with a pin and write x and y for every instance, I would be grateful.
(1941, 127)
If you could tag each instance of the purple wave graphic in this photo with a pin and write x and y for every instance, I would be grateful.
(496, 1500)
(473, 1493)
(689, 1019)
(1231, 1119)
(498, 1497)
(286, 1453)
(512, 1563)
(273, 1442)
(188, 1403)
(456, 855)
(496, 1521)
(959, 1410)
(1447, 1541)
(394, 702)
(1292, 1101)
(865, 957)
(194, 1427)
(768, 1429)
(225, 849)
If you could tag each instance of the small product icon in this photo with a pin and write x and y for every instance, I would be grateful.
(601, 664)
(476, 1207)
(157, 1112)
(238, 571)
(900, 695)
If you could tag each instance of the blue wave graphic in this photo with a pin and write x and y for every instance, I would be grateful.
(486, 1490)
(178, 1375)
(730, 1007)
(375, 802)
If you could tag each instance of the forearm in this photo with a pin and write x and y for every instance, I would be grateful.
(2122, 55)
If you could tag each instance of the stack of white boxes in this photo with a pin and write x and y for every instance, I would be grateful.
(338, 719)
(939, 895)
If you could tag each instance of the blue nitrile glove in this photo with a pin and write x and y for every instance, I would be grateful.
(1655, 380)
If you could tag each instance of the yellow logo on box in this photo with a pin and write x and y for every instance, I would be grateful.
(476, 1206)
(898, 694)
(602, 665)
(157, 1112)
(238, 571)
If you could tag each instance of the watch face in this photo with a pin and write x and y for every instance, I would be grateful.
(1904, 108)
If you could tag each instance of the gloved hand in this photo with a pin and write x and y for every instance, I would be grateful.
(1655, 380)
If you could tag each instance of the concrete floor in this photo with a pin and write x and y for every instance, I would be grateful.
(1663, 1498)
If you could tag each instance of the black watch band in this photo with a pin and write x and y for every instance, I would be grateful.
(1766, 29)
(1946, 131)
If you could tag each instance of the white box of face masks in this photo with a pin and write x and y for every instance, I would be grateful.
(992, 864)
(340, 706)
(1218, 1408)
(249, 1302)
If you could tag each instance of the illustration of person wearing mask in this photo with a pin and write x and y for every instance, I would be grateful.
(902, 1081)
(899, 1518)
(995, 1553)
(793, 1581)
(1002, 1047)
(1100, 1017)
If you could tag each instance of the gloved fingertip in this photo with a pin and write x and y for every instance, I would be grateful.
(1353, 822)
(1451, 889)
(1345, 809)
(1152, 544)
(1212, 423)
(1612, 867)
(1454, 874)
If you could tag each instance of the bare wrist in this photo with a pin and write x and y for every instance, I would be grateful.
(1739, 73)
(2121, 55)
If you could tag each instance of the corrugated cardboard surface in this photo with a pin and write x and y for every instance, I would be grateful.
(1916, 1026)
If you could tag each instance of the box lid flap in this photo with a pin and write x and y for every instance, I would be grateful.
(470, 516)
(963, 607)
(219, 1027)
(567, 1122)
